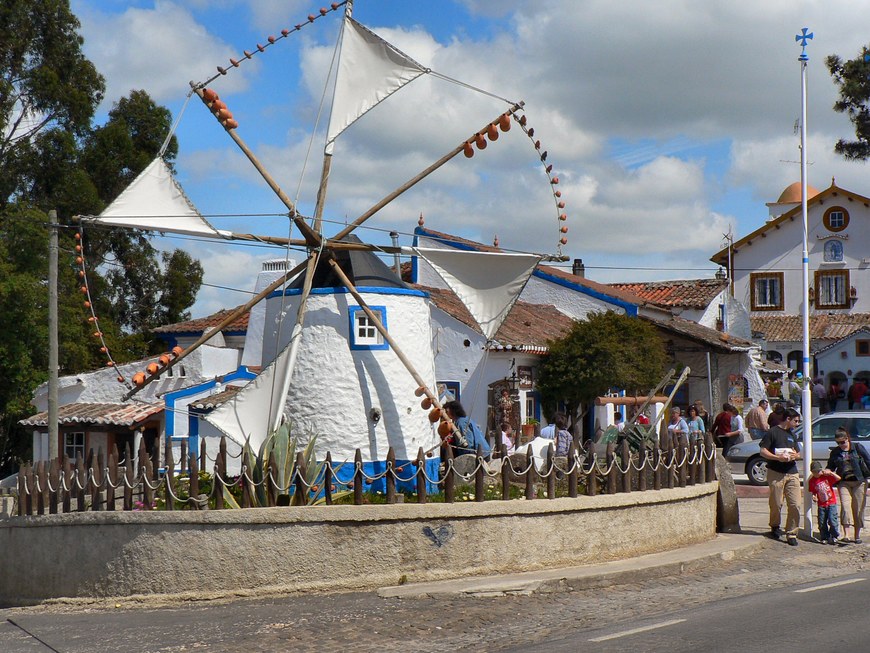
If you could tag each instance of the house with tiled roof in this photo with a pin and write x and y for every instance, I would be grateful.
(723, 364)
(765, 269)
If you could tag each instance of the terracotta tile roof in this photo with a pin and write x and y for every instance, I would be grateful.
(200, 324)
(864, 331)
(215, 400)
(705, 335)
(721, 257)
(683, 293)
(97, 414)
(789, 328)
(600, 288)
(530, 326)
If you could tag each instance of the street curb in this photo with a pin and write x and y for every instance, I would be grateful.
(724, 547)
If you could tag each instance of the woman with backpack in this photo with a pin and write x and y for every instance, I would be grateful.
(469, 429)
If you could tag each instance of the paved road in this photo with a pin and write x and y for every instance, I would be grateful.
(363, 622)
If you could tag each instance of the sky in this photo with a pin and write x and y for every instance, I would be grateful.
(668, 123)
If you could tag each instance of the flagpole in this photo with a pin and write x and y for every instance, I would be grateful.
(806, 396)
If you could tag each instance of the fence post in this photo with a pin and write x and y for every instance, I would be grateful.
(220, 473)
(54, 479)
(81, 485)
(193, 473)
(672, 460)
(642, 458)
(573, 463)
(506, 469)
(91, 474)
(40, 487)
(449, 476)
(22, 492)
(657, 467)
(327, 479)
(357, 478)
(182, 458)
(112, 478)
(274, 494)
(591, 469)
(479, 475)
(129, 477)
(203, 458)
(169, 477)
(625, 460)
(530, 475)
(389, 475)
(683, 453)
(710, 460)
(67, 472)
(31, 488)
(612, 480)
(421, 476)
(551, 472)
(301, 490)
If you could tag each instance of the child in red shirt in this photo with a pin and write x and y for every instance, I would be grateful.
(821, 486)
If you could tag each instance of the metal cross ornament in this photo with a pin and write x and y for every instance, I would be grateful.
(803, 37)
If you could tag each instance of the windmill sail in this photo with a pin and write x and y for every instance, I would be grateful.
(488, 283)
(156, 202)
(369, 71)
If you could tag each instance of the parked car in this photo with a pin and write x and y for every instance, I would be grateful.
(745, 458)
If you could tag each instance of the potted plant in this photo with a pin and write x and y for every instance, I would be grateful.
(529, 427)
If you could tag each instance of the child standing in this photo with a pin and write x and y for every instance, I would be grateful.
(821, 486)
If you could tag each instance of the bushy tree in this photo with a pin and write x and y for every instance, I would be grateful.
(52, 157)
(852, 78)
(607, 350)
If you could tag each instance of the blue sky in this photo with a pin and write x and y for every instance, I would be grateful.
(667, 123)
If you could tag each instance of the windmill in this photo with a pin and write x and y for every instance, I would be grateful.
(329, 306)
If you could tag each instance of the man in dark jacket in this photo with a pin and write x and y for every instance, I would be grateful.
(780, 448)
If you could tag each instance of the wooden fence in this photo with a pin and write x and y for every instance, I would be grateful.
(110, 483)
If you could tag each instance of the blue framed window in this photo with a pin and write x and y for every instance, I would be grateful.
(363, 333)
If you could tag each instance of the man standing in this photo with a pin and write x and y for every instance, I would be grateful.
(820, 396)
(756, 420)
(781, 449)
(856, 393)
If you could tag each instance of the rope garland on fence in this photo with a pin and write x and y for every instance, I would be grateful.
(75, 480)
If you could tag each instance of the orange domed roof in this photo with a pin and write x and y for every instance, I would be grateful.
(792, 193)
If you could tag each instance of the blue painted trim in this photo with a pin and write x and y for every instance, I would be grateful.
(351, 315)
(415, 266)
(170, 398)
(630, 309)
(404, 469)
(445, 241)
(374, 290)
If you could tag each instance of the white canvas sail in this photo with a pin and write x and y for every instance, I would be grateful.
(369, 71)
(256, 410)
(488, 283)
(156, 202)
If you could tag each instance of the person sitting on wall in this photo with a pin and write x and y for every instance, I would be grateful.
(471, 435)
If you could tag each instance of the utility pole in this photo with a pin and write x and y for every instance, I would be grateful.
(52, 336)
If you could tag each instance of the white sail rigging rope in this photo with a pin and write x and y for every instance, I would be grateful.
(468, 86)
(174, 126)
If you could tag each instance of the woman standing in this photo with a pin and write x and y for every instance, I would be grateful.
(851, 462)
(695, 424)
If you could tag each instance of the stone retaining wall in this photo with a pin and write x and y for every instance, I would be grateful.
(269, 550)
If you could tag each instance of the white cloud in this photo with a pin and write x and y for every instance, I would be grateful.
(158, 50)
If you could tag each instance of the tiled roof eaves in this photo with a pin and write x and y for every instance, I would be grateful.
(546, 273)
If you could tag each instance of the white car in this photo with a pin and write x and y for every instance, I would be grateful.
(745, 458)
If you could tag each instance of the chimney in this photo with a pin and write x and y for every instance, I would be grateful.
(578, 269)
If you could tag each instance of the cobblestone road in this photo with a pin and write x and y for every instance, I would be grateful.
(365, 622)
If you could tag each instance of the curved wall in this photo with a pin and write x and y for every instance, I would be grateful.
(271, 550)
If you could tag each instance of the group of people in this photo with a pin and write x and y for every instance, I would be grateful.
(839, 488)
(827, 399)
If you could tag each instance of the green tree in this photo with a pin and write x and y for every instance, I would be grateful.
(607, 350)
(52, 157)
(852, 78)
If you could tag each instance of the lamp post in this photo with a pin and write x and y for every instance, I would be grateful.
(806, 397)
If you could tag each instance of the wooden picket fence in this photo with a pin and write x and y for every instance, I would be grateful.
(97, 483)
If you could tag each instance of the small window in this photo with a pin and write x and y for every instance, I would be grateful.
(74, 445)
(833, 251)
(832, 289)
(862, 347)
(836, 218)
(766, 291)
(363, 332)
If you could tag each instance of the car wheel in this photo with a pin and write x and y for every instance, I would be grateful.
(756, 470)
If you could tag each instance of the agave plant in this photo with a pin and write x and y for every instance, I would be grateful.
(274, 465)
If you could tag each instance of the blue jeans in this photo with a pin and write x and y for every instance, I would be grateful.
(829, 522)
